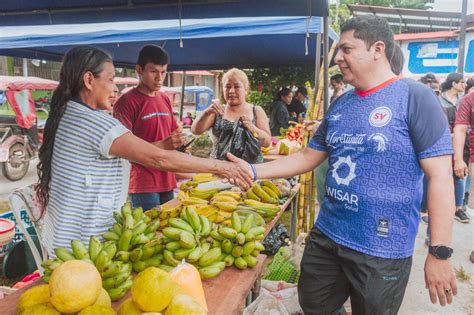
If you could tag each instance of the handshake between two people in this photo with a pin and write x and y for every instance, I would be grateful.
(237, 172)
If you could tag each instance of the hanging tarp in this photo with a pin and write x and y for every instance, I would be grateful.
(206, 44)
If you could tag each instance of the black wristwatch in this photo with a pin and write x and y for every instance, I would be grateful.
(441, 252)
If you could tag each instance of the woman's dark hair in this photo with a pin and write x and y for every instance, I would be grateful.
(450, 79)
(284, 91)
(428, 78)
(371, 29)
(76, 63)
(153, 54)
(469, 85)
(397, 60)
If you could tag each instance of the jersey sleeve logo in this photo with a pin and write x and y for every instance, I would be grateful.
(380, 116)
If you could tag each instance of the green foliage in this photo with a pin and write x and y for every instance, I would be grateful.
(272, 79)
(260, 99)
(408, 4)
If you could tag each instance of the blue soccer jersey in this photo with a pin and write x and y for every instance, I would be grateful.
(374, 141)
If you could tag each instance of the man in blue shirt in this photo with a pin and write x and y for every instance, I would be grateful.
(379, 138)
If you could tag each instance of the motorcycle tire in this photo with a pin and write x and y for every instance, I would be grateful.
(14, 172)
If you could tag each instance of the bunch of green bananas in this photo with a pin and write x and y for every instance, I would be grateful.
(239, 243)
(116, 276)
(134, 233)
(186, 238)
(266, 210)
(130, 244)
(264, 191)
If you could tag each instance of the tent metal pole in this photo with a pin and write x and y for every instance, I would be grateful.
(326, 62)
(182, 97)
(462, 38)
(25, 67)
(317, 68)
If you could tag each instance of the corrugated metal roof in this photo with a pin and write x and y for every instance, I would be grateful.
(412, 20)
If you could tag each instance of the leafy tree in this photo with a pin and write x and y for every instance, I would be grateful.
(266, 82)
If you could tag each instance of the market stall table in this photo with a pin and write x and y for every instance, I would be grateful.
(225, 294)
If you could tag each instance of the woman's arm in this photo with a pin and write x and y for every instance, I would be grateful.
(207, 118)
(262, 127)
(139, 151)
(203, 123)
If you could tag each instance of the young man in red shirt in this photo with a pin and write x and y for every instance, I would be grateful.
(148, 113)
(465, 120)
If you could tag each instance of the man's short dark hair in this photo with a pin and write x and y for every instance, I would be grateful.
(153, 54)
(337, 78)
(371, 29)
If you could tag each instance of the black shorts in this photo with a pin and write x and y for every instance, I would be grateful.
(330, 273)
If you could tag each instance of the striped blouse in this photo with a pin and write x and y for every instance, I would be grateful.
(87, 183)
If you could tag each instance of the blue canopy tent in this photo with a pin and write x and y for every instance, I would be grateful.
(207, 44)
(43, 12)
(53, 12)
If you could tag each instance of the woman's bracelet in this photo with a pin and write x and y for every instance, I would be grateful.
(254, 171)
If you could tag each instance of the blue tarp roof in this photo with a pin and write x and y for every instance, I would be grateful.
(37, 12)
(207, 43)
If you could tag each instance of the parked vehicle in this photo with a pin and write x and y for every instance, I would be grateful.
(20, 133)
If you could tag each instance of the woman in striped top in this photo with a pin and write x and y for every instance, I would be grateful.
(84, 169)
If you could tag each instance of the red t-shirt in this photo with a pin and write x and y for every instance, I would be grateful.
(150, 118)
(465, 116)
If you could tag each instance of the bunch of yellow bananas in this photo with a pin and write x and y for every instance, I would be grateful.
(196, 180)
(202, 193)
(237, 196)
(209, 211)
(165, 211)
(264, 191)
(213, 213)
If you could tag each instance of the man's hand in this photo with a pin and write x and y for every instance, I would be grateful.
(237, 172)
(174, 141)
(440, 280)
(461, 169)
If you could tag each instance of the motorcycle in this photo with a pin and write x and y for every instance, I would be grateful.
(21, 135)
(18, 147)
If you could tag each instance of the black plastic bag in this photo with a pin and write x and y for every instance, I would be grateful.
(277, 238)
(240, 142)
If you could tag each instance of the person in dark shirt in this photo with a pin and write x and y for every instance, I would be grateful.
(296, 106)
(280, 115)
